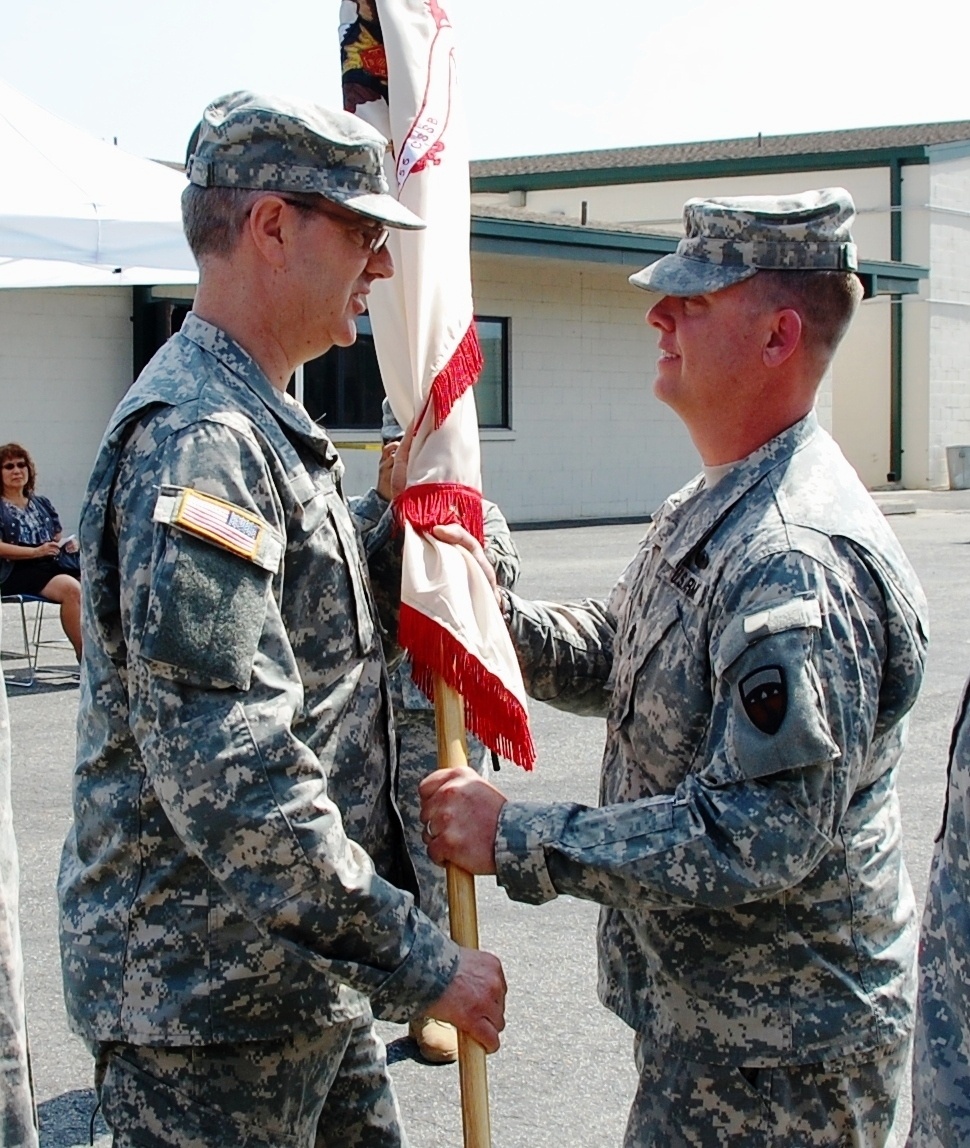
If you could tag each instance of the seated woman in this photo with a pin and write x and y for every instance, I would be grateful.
(30, 532)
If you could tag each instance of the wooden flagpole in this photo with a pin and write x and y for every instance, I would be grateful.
(449, 711)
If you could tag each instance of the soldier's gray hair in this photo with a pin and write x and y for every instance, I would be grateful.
(213, 217)
(826, 301)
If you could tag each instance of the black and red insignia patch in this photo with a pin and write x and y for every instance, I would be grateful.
(764, 695)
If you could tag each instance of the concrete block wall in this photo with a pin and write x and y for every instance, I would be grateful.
(65, 361)
(948, 397)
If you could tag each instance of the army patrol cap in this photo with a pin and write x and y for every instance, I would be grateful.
(728, 240)
(264, 143)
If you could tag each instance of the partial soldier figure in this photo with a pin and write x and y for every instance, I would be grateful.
(18, 1117)
(233, 891)
(941, 1052)
(755, 664)
(417, 742)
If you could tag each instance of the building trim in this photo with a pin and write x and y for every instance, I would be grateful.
(701, 169)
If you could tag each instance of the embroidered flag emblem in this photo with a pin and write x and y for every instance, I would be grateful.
(219, 521)
(234, 529)
(764, 695)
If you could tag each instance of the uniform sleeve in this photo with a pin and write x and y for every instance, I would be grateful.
(372, 518)
(565, 652)
(795, 687)
(382, 545)
(215, 693)
(500, 550)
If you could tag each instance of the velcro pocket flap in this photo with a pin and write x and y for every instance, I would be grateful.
(747, 629)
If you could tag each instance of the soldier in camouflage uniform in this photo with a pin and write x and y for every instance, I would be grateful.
(755, 664)
(18, 1126)
(231, 892)
(417, 744)
(941, 1052)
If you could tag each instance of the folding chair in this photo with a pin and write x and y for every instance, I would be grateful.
(31, 634)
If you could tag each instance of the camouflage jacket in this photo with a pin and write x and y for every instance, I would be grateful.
(233, 867)
(755, 663)
(941, 1050)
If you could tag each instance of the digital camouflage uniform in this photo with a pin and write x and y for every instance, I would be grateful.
(231, 876)
(754, 663)
(18, 1128)
(941, 1052)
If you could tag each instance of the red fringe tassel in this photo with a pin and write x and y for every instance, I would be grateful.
(430, 504)
(492, 714)
(459, 373)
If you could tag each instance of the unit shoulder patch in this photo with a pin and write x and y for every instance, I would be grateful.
(764, 696)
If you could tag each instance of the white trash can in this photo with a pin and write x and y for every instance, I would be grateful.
(958, 467)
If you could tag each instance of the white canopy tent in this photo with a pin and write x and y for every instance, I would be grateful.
(75, 211)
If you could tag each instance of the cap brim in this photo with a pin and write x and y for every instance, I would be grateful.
(678, 275)
(384, 208)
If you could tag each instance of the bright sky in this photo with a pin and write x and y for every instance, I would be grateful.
(537, 75)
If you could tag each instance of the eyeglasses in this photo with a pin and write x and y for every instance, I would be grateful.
(15, 466)
(372, 239)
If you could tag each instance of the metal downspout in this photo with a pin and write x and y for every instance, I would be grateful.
(895, 326)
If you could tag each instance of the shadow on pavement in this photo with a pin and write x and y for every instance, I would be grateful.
(70, 1119)
(404, 1048)
(49, 680)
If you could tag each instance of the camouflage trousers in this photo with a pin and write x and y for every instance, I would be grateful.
(834, 1104)
(326, 1090)
(417, 756)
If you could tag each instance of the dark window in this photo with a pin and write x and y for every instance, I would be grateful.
(343, 389)
(154, 321)
(492, 388)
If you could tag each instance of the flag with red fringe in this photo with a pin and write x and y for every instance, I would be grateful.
(398, 63)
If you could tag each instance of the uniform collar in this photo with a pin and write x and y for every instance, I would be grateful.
(283, 407)
(690, 516)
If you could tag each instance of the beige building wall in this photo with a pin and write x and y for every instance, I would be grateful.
(948, 307)
(854, 400)
(860, 393)
(65, 361)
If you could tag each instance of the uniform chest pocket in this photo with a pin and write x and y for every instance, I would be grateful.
(325, 588)
(661, 698)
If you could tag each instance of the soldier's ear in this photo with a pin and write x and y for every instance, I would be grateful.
(266, 224)
(782, 338)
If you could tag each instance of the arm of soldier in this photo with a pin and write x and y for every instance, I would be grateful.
(766, 804)
(215, 694)
(384, 549)
(500, 550)
(565, 652)
(371, 512)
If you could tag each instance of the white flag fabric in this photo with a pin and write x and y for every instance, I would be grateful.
(399, 74)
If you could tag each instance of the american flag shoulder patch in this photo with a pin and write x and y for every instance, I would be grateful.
(221, 523)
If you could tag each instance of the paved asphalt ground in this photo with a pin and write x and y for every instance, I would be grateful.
(564, 1074)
